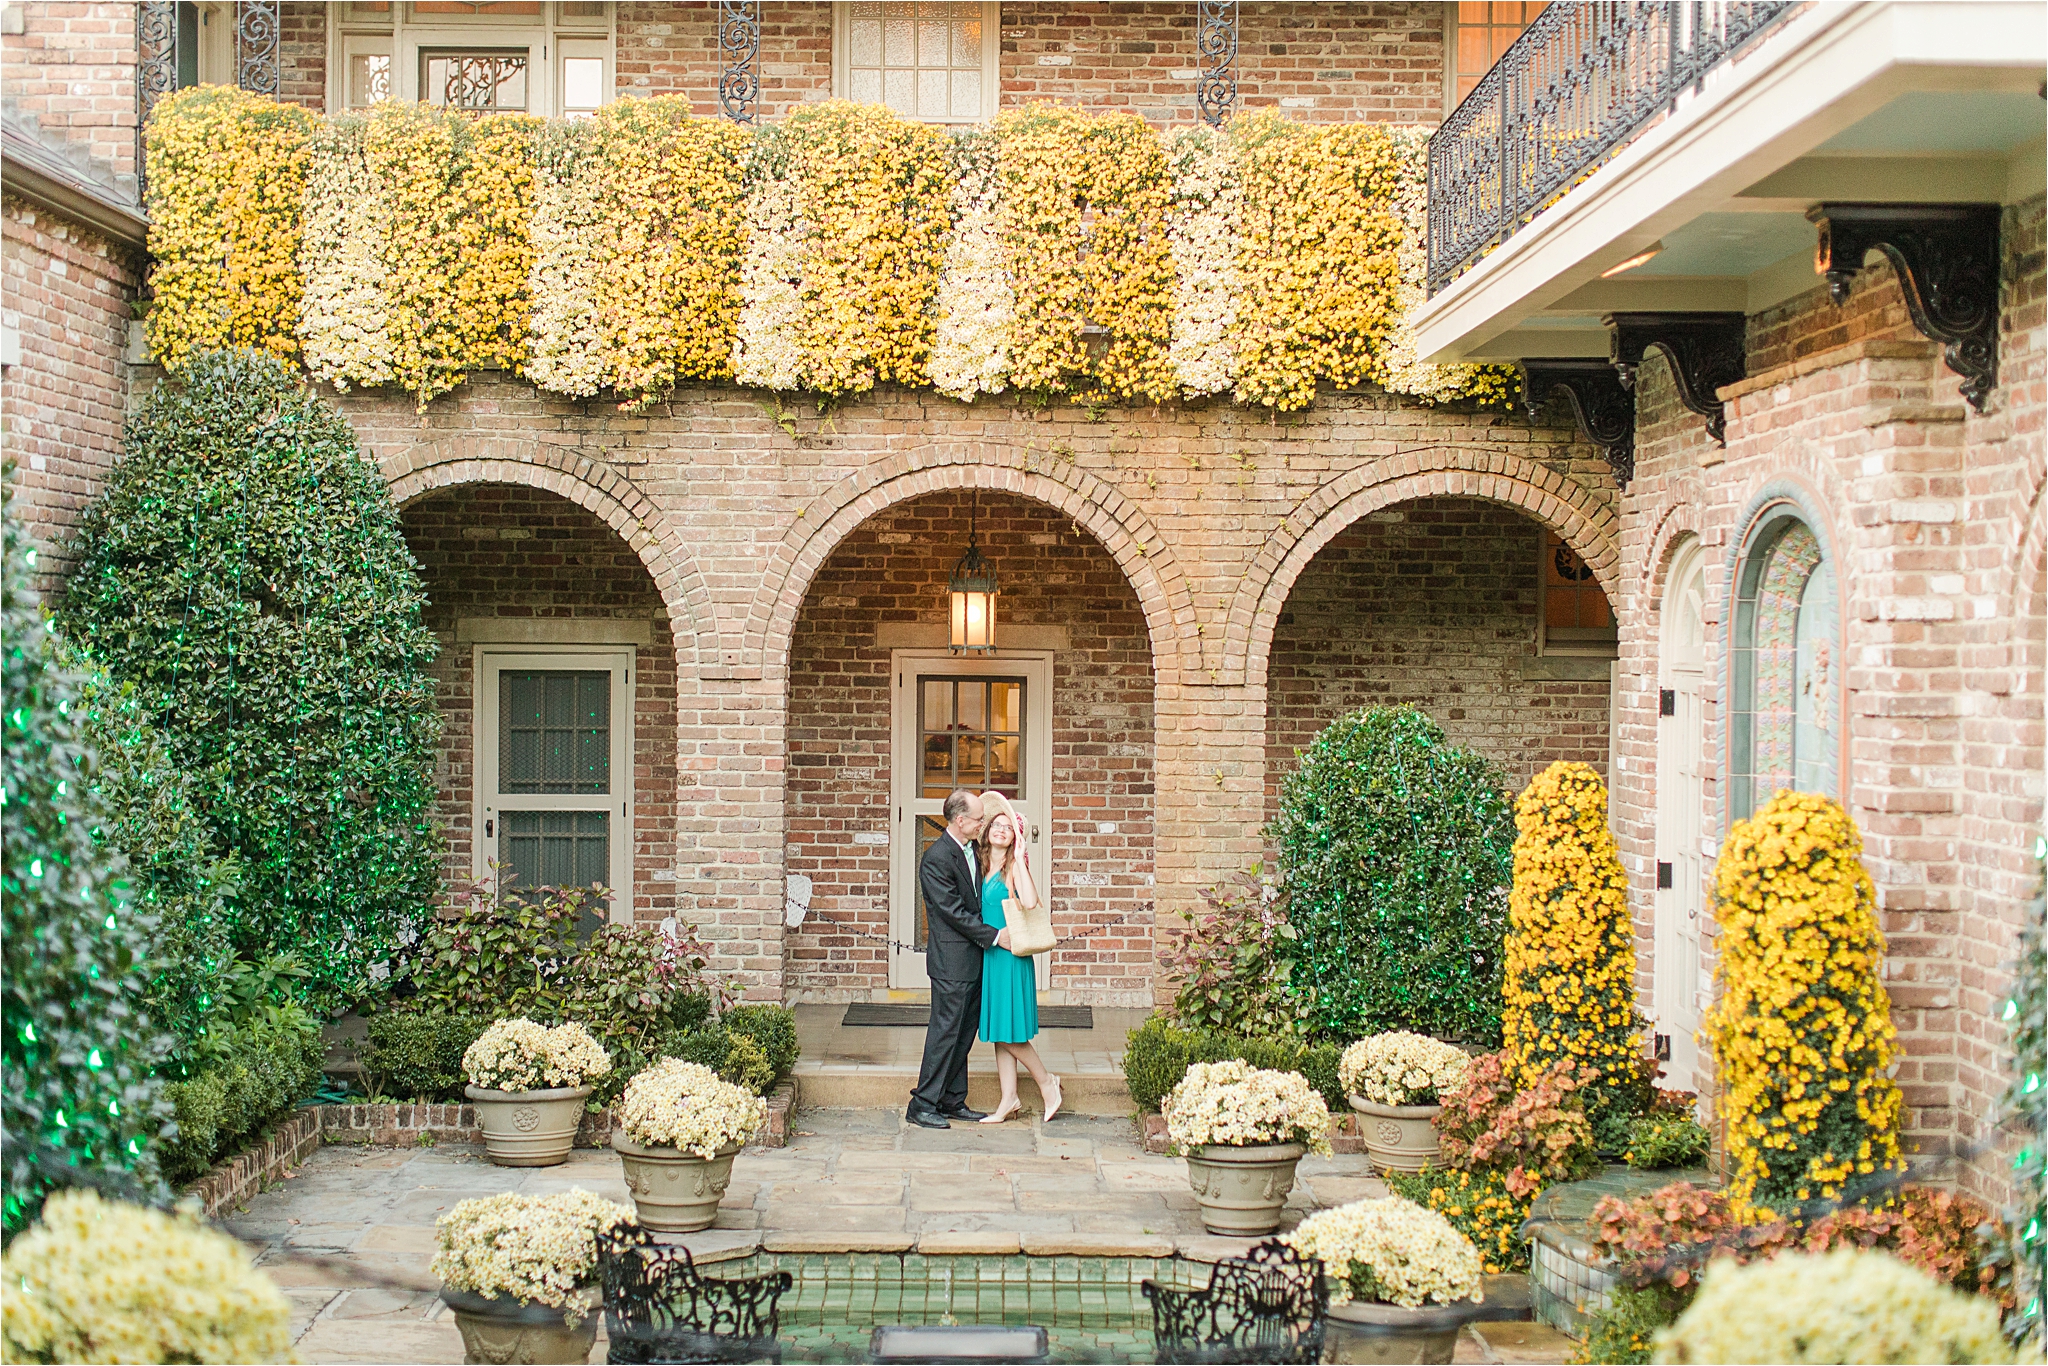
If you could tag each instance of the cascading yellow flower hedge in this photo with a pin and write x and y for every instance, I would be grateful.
(1802, 1029)
(1569, 988)
(1083, 222)
(1054, 251)
(227, 174)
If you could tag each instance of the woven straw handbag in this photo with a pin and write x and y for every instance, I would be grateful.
(1030, 930)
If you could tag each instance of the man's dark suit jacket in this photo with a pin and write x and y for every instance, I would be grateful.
(955, 933)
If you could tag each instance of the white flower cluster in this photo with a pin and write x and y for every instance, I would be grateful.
(1233, 1104)
(97, 1280)
(343, 320)
(686, 1105)
(1390, 1250)
(1400, 371)
(1201, 227)
(566, 337)
(1400, 1068)
(976, 305)
(519, 1055)
(767, 350)
(535, 1248)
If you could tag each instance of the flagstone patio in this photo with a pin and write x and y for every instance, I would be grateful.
(350, 1236)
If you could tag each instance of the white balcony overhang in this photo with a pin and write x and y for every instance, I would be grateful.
(1893, 101)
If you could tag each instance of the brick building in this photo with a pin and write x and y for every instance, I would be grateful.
(1845, 591)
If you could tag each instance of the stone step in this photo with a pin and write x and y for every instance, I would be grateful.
(824, 1086)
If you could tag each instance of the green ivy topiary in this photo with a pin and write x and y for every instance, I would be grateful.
(1396, 849)
(244, 570)
(78, 1104)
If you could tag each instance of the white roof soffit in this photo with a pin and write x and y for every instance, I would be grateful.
(1732, 151)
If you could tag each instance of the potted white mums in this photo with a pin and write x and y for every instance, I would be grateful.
(1403, 1281)
(1395, 1081)
(1243, 1130)
(678, 1127)
(528, 1083)
(520, 1273)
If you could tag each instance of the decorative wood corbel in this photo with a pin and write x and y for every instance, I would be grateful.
(1946, 256)
(1606, 412)
(1706, 351)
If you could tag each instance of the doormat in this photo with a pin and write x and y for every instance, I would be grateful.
(917, 1016)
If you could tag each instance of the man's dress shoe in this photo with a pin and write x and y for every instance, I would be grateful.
(926, 1117)
(964, 1113)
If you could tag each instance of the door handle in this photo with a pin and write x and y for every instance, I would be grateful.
(1034, 832)
(488, 824)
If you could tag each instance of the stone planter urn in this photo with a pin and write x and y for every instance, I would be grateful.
(674, 1191)
(1398, 1138)
(1362, 1331)
(528, 1128)
(1242, 1190)
(504, 1330)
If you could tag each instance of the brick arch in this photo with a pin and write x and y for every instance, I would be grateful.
(1148, 563)
(1587, 523)
(427, 468)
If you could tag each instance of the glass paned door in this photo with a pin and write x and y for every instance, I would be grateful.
(554, 782)
(1681, 779)
(983, 725)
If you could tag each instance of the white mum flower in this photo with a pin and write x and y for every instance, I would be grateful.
(1234, 1104)
(1400, 1068)
(1392, 1251)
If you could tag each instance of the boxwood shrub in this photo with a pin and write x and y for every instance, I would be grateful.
(257, 1073)
(1158, 1053)
(413, 1054)
(1396, 850)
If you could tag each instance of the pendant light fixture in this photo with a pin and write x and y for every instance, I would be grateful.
(973, 590)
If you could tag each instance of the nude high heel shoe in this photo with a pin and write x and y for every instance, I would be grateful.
(1002, 1113)
(1055, 1100)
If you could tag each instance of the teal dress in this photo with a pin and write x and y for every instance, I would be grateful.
(1009, 985)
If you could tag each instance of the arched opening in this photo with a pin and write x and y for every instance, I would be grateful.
(1785, 711)
(883, 721)
(557, 684)
(1463, 607)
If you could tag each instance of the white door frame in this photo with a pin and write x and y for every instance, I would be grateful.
(1681, 816)
(490, 661)
(906, 966)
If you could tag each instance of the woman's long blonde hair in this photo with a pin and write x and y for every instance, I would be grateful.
(1016, 865)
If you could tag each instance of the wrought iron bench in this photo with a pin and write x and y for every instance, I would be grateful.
(657, 1308)
(1267, 1306)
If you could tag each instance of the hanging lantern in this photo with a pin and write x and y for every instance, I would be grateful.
(973, 590)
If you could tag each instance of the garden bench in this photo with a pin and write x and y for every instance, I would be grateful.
(658, 1308)
(1267, 1306)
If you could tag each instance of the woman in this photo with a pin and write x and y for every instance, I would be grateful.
(1009, 986)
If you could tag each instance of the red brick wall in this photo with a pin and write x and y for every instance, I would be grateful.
(493, 550)
(72, 70)
(893, 569)
(69, 292)
(302, 53)
(1432, 604)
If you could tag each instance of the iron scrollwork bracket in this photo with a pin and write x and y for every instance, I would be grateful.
(1604, 408)
(256, 33)
(1216, 41)
(739, 49)
(1706, 351)
(1947, 258)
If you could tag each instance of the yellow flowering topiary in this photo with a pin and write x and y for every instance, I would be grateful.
(1082, 207)
(1569, 988)
(227, 171)
(96, 1280)
(1802, 1029)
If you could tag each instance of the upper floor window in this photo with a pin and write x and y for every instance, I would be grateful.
(1481, 30)
(534, 56)
(926, 60)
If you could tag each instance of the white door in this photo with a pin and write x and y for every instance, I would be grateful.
(554, 768)
(980, 724)
(1681, 799)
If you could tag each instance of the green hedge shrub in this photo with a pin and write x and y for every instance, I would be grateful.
(258, 1072)
(1158, 1054)
(1396, 850)
(414, 1054)
(773, 1028)
(244, 570)
(78, 1102)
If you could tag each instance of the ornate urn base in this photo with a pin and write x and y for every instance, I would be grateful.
(1242, 1190)
(1362, 1332)
(1398, 1138)
(674, 1191)
(503, 1330)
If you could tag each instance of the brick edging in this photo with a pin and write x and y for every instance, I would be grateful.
(405, 1125)
(232, 1182)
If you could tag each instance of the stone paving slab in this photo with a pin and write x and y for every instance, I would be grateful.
(350, 1237)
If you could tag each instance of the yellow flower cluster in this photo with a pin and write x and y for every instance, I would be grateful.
(872, 190)
(1479, 1205)
(227, 173)
(1569, 987)
(1802, 1029)
(95, 1280)
(1082, 204)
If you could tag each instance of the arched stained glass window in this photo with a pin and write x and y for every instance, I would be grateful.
(1786, 674)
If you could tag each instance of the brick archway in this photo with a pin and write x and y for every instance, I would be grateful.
(423, 469)
(1587, 523)
(1140, 552)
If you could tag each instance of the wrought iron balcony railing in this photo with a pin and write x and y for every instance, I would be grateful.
(1576, 87)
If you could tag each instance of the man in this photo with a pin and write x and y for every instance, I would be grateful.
(955, 935)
